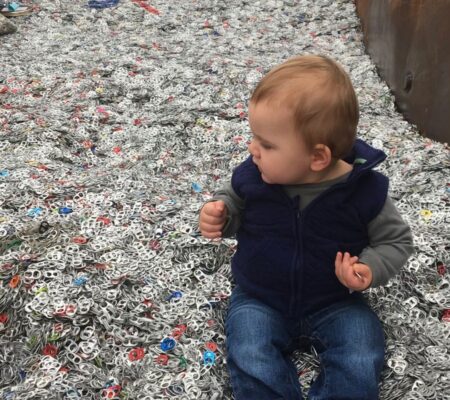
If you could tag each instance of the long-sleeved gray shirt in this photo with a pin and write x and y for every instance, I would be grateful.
(390, 238)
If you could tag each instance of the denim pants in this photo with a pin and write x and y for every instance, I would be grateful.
(347, 336)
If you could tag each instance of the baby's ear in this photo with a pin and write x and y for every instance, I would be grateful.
(320, 157)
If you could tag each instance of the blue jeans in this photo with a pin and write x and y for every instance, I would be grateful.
(347, 336)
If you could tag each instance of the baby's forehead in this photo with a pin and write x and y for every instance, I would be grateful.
(300, 89)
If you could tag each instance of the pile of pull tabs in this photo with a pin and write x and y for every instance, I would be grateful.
(116, 125)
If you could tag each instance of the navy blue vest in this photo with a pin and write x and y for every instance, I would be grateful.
(286, 257)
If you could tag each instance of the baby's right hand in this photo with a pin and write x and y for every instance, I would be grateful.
(212, 219)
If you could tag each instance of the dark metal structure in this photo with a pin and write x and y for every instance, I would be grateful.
(409, 40)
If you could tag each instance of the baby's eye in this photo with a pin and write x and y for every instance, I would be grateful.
(266, 146)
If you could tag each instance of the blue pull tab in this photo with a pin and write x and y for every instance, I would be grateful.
(80, 281)
(34, 212)
(175, 295)
(196, 187)
(209, 358)
(99, 4)
(168, 344)
(65, 210)
(13, 7)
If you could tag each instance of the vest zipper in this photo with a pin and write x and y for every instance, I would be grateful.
(296, 272)
(296, 286)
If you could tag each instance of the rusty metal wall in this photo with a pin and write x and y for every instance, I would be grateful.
(409, 40)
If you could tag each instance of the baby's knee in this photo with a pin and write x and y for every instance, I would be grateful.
(361, 341)
(248, 322)
(365, 358)
(243, 349)
(365, 332)
(251, 330)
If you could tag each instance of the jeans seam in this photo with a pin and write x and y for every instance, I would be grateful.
(322, 362)
(295, 384)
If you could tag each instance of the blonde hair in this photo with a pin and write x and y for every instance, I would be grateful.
(321, 96)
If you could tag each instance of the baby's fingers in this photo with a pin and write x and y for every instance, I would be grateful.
(344, 259)
(338, 264)
(211, 219)
(364, 273)
(215, 209)
(348, 259)
(338, 259)
(211, 235)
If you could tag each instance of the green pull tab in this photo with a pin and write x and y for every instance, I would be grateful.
(182, 363)
(360, 161)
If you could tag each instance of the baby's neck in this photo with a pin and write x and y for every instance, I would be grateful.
(334, 171)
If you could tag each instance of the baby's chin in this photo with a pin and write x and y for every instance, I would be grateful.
(276, 182)
(266, 179)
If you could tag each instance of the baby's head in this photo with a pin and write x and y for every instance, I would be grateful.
(320, 96)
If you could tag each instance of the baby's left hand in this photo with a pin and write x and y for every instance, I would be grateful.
(354, 275)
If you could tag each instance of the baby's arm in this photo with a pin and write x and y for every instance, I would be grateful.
(227, 222)
(391, 244)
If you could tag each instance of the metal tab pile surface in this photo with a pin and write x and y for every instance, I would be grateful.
(116, 125)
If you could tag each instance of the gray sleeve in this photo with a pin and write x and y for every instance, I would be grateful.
(234, 204)
(391, 244)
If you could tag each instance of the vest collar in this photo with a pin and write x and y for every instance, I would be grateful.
(363, 157)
